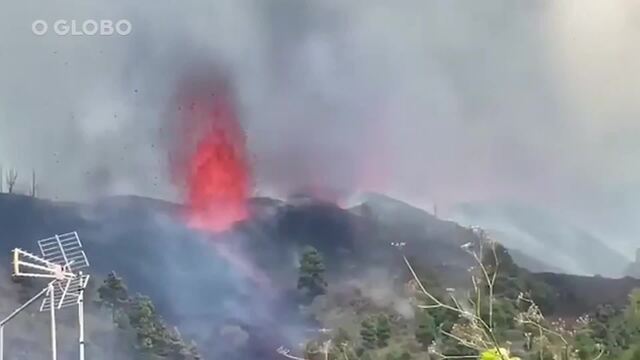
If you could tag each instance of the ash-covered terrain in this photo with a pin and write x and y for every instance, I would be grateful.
(234, 293)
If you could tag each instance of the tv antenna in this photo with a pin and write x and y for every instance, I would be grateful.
(61, 259)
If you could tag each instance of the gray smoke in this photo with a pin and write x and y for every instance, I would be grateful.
(428, 101)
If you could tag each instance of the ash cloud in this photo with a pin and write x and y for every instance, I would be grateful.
(428, 101)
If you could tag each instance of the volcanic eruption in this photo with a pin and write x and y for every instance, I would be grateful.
(213, 162)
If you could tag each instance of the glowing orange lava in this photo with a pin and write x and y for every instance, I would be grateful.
(217, 171)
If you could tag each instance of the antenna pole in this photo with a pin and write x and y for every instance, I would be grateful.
(12, 315)
(80, 320)
(22, 307)
(61, 256)
(52, 310)
(2, 342)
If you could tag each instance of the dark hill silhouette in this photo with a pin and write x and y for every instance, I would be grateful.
(196, 288)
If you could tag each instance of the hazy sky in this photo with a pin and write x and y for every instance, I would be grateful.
(443, 101)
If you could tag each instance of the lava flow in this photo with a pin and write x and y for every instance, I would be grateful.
(217, 175)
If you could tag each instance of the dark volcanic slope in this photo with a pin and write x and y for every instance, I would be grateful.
(141, 239)
(580, 294)
(202, 290)
(360, 238)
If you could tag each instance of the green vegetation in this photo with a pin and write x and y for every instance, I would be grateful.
(383, 331)
(375, 332)
(143, 328)
(426, 330)
(113, 294)
(369, 334)
(501, 316)
(311, 279)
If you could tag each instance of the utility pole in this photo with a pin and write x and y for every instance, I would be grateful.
(33, 183)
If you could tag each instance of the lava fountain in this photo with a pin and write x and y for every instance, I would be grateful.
(215, 168)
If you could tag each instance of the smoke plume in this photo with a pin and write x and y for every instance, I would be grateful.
(428, 101)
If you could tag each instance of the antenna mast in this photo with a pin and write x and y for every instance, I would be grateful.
(61, 259)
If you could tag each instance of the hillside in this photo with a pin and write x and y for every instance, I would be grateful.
(423, 227)
(577, 295)
(540, 234)
(243, 282)
(141, 240)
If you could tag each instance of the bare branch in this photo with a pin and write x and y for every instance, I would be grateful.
(475, 319)
(533, 316)
(11, 178)
(478, 335)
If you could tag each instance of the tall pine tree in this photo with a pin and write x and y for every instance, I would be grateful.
(383, 331)
(368, 334)
(113, 293)
(311, 279)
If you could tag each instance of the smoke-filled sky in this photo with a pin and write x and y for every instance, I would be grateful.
(431, 101)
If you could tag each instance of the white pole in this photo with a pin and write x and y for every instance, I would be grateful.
(81, 322)
(2, 342)
(53, 322)
(13, 314)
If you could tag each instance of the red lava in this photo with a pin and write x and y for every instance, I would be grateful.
(215, 169)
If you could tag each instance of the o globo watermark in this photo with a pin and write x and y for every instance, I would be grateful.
(90, 27)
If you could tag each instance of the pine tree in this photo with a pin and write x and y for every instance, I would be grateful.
(113, 293)
(383, 331)
(151, 336)
(311, 279)
(142, 318)
(368, 334)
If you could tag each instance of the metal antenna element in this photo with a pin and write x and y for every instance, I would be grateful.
(28, 265)
(64, 250)
(62, 258)
(66, 293)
